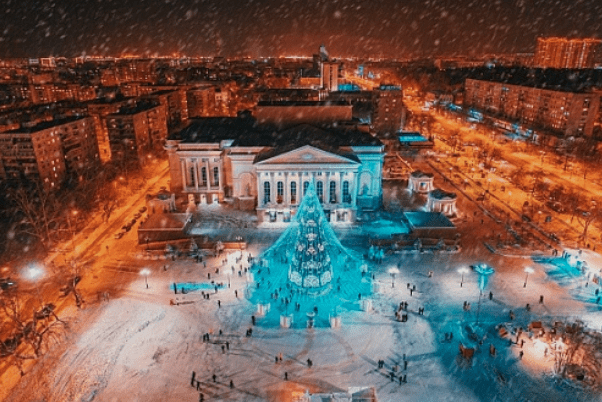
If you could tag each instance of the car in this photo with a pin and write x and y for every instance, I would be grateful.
(556, 206)
(7, 283)
(44, 312)
(119, 235)
(137, 215)
(142, 210)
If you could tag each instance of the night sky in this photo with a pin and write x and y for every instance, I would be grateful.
(390, 28)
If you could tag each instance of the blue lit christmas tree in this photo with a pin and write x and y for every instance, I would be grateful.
(308, 271)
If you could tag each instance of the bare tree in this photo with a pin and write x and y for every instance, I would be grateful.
(39, 211)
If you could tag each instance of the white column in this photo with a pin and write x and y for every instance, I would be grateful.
(208, 175)
(353, 185)
(340, 188)
(260, 189)
(183, 170)
(287, 191)
(196, 175)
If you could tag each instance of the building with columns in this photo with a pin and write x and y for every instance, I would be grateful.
(264, 169)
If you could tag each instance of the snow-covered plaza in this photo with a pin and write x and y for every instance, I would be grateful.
(142, 341)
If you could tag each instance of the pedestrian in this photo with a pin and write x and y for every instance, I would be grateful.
(285, 376)
(276, 359)
(392, 374)
(208, 275)
(175, 288)
(193, 379)
(411, 291)
(405, 364)
(253, 319)
(408, 285)
(198, 385)
(522, 343)
(597, 292)
(541, 299)
(219, 304)
(490, 295)
(214, 378)
(521, 354)
(201, 398)
(223, 349)
(231, 384)
(598, 300)
(545, 352)
(451, 336)
(400, 379)
(236, 293)
(280, 356)
(227, 345)
(405, 378)
(528, 307)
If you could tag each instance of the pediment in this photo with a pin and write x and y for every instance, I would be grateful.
(308, 155)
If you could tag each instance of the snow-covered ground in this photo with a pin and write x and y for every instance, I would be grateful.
(143, 344)
(138, 347)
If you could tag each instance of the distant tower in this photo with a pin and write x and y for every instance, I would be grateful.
(566, 53)
(218, 44)
(323, 53)
(329, 75)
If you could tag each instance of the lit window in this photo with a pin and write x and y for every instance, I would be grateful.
(320, 191)
(293, 192)
(280, 192)
(266, 192)
(333, 192)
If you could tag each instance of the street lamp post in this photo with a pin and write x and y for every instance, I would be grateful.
(462, 271)
(393, 271)
(145, 272)
(528, 270)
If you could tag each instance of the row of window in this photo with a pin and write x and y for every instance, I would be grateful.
(203, 181)
(332, 195)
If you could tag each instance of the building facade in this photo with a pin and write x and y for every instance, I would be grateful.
(566, 53)
(269, 171)
(388, 109)
(570, 113)
(329, 75)
(135, 131)
(47, 152)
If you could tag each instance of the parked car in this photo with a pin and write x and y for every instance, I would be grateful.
(44, 312)
(556, 206)
(119, 235)
(7, 283)
(137, 215)
(142, 210)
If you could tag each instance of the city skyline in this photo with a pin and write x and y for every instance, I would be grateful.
(260, 28)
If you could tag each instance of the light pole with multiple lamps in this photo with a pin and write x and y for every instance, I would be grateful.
(462, 271)
(393, 271)
(528, 270)
(145, 272)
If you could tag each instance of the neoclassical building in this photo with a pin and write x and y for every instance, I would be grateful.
(266, 169)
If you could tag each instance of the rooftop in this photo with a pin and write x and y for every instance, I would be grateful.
(419, 219)
(45, 125)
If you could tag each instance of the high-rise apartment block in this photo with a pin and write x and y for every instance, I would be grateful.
(329, 75)
(388, 109)
(201, 101)
(99, 110)
(134, 131)
(47, 152)
(571, 113)
(566, 53)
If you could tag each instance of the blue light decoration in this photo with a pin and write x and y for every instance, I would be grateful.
(307, 272)
(484, 272)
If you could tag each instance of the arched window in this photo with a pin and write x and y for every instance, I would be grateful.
(293, 192)
(320, 190)
(280, 192)
(305, 185)
(191, 178)
(332, 193)
(346, 195)
(204, 176)
(266, 192)
(216, 176)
